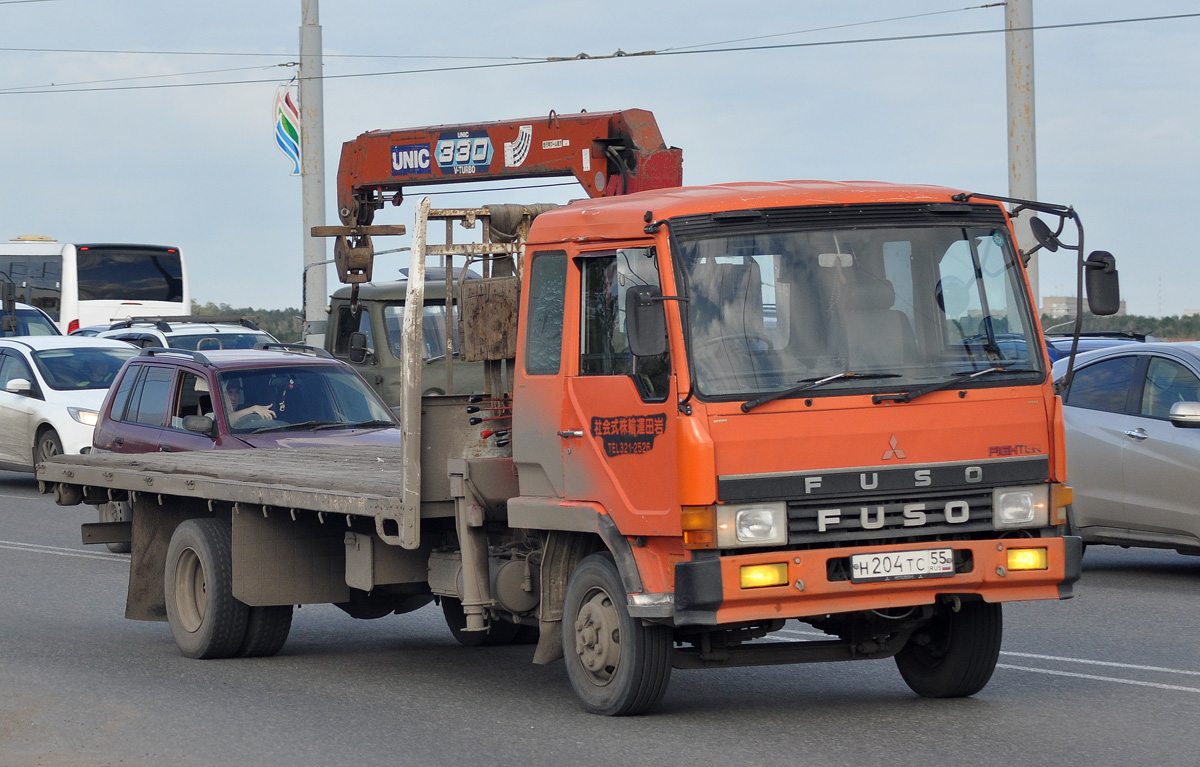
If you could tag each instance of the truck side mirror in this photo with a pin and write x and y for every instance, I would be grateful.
(1103, 288)
(358, 347)
(201, 424)
(645, 321)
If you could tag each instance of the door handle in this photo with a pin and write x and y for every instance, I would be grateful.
(164, 448)
(1138, 433)
(119, 440)
(570, 433)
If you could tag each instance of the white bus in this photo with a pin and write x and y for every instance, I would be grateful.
(80, 285)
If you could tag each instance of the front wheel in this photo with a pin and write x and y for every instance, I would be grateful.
(206, 620)
(48, 445)
(617, 665)
(954, 655)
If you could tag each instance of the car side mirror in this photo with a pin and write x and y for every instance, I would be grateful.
(19, 386)
(200, 424)
(645, 321)
(358, 347)
(1185, 415)
(1103, 288)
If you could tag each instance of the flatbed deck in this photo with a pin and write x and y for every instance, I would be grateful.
(357, 480)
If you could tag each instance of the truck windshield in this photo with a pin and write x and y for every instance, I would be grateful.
(925, 301)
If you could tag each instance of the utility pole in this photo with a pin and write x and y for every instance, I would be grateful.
(1022, 145)
(312, 169)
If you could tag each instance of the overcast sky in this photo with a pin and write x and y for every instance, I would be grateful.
(1117, 112)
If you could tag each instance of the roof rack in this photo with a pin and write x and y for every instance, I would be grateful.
(1130, 334)
(301, 348)
(163, 323)
(156, 351)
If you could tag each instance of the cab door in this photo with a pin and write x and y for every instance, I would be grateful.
(618, 414)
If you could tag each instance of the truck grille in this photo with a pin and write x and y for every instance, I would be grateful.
(941, 516)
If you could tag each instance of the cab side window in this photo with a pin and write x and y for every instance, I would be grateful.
(346, 325)
(544, 328)
(604, 348)
(1102, 386)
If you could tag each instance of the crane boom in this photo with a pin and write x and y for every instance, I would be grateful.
(609, 153)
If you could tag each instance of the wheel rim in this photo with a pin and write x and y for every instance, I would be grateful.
(191, 596)
(47, 449)
(598, 637)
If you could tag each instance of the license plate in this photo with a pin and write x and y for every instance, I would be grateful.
(902, 565)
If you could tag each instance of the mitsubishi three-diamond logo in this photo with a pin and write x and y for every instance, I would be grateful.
(894, 452)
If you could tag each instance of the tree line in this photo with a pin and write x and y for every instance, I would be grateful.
(287, 325)
(1175, 328)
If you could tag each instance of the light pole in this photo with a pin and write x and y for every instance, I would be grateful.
(312, 169)
(1022, 145)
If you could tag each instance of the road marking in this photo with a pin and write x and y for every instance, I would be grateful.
(39, 549)
(19, 497)
(1097, 678)
(1100, 663)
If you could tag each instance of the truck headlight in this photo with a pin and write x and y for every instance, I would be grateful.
(85, 417)
(751, 524)
(1015, 507)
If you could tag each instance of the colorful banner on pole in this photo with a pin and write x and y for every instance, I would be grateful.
(287, 125)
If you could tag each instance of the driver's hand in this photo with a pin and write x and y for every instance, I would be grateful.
(263, 411)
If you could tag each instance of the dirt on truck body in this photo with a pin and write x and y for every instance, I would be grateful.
(704, 412)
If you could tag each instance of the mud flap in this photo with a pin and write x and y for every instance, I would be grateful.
(563, 552)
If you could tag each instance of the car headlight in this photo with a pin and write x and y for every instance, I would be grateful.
(752, 524)
(1015, 507)
(85, 417)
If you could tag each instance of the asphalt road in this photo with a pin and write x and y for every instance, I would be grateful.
(1111, 677)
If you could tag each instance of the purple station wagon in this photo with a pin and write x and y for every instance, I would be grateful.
(273, 396)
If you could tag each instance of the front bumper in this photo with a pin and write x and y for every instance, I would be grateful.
(708, 590)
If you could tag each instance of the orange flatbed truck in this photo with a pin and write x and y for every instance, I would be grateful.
(709, 411)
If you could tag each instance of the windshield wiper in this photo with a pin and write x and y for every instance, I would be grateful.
(293, 426)
(357, 425)
(950, 383)
(809, 383)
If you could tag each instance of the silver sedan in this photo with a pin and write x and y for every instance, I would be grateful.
(1132, 416)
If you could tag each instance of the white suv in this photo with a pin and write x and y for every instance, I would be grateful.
(193, 333)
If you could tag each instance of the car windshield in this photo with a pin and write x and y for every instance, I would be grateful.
(299, 396)
(31, 322)
(81, 368)
(208, 341)
(926, 301)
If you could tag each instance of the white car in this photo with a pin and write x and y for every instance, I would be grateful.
(51, 388)
(28, 320)
(194, 333)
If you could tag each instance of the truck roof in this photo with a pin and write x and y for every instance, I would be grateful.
(621, 217)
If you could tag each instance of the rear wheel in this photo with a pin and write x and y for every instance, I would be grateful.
(617, 665)
(116, 511)
(267, 629)
(206, 620)
(955, 654)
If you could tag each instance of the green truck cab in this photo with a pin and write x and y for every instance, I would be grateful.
(380, 316)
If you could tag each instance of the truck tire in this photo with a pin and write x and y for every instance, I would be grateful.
(117, 511)
(617, 665)
(498, 633)
(955, 654)
(206, 620)
(267, 629)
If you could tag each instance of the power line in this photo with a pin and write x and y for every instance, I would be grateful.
(641, 54)
(238, 53)
(26, 88)
(834, 26)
